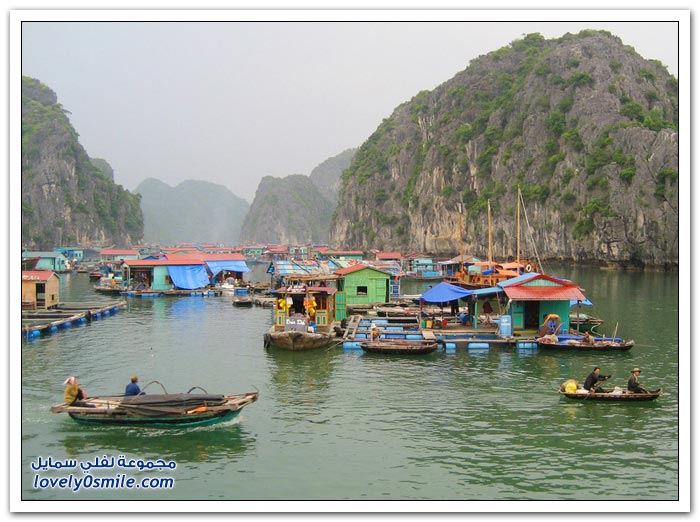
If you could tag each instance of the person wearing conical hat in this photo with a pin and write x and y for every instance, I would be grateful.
(73, 392)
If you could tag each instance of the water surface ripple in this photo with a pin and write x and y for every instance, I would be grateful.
(333, 425)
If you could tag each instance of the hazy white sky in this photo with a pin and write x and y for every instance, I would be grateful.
(231, 102)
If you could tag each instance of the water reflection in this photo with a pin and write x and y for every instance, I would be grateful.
(222, 442)
(293, 373)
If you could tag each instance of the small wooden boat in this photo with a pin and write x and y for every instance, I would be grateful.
(295, 340)
(599, 344)
(584, 322)
(158, 410)
(399, 346)
(242, 297)
(616, 394)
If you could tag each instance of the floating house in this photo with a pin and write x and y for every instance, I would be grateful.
(54, 261)
(220, 265)
(253, 251)
(364, 285)
(389, 256)
(164, 275)
(72, 253)
(458, 266)
(276, 252)
(420, 266)
(193, 271)
(40, 290)
(116, 254)
(534, 296)
(356, 255)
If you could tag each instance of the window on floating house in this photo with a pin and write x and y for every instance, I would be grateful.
(361, 290)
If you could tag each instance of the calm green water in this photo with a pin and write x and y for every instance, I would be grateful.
(334, 425)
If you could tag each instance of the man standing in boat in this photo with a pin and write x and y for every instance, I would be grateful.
(593, 379)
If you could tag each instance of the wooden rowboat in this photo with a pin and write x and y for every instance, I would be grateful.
(158, 410)
(615, 395)
(578, 345)
(399, 346)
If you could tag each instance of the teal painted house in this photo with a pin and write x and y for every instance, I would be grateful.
(54, 261)
(533, 297)
(364, 285)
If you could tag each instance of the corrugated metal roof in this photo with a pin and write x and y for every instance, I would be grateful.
(208, 256)
(540, 287)
(544, 293)
(28, 254)
(37, 275)
(289, 268)
(117, 252)
(163, 262)
(383, 256)
(356, 268)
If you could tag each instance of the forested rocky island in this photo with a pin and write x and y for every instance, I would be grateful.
(68, 198)
(585, 126)
(582, 125)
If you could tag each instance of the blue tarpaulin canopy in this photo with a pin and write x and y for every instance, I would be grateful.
(574, 302)
(232, 266)
(188, 277)
(445, 292)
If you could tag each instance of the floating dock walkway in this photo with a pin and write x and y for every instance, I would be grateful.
(450, 337)
(66, 315)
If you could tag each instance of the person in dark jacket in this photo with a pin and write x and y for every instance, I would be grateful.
(633, 383)
(593, 379)
(133, 388)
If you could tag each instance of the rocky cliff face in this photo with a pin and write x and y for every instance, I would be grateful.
(67, 199)
(176, 214)
(297, 209)
(584, 126)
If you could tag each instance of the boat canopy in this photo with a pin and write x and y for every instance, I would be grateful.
(188, 277)
(231, 265)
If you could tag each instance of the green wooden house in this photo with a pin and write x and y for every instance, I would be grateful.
(364, 285)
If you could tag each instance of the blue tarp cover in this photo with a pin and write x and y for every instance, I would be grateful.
(231, 266)
(574, 302)
(492, 290)
(445, 292)
(188, 277)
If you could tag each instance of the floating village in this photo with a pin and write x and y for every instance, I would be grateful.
(319, 298)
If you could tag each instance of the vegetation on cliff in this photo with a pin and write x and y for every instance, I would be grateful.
(67, 198)
(586, 127)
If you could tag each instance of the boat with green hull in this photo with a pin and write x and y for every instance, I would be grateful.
(158, 410)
